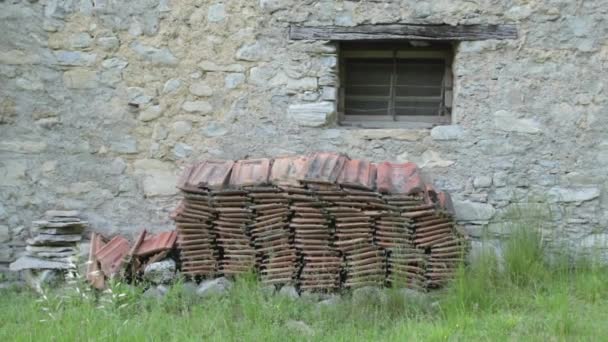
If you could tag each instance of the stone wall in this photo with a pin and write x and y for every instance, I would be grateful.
(103, 101)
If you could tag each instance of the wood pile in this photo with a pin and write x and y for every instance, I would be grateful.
(321, 222)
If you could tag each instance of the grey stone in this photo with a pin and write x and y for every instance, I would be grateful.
(211, 66)
(108, 43)
(507, 121)
(472, 211)
(156, 292)
(368, 294)
(181, 128)
(395, 134)
(162, 56)
(329, 94)
(450, 132)
(75, 58)
(251, 53)
(128, 146)
(114, 63)
(49, 239)
(40, 279)
(213, 130)
(172, 86)
(137, 95)
(28, 262)
(333, 300)
(162, 272)
(118, 166)
(150, 113)
(233, 80)
(578, 195)
(302, 84)
(5, 233)
(218, 286)
(80, 79)
(273, 5)
(300, 328)
(50, 249)
(289, 292)
(181, 150)
(412, 295)
(217, 13)
(201, 107)
(200, 89)
(61, 213)
(312, 114)
(482, 182)
(158, 177)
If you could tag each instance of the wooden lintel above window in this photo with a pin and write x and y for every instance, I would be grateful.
(442, 32)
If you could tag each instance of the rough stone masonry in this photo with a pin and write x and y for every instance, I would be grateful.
(102, 103)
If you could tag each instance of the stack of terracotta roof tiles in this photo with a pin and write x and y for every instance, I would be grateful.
(320, 221)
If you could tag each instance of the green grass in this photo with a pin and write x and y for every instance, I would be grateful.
(523, 297)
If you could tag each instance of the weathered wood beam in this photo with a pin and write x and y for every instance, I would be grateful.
(441, 32)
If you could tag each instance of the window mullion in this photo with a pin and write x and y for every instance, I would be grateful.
(393, 87)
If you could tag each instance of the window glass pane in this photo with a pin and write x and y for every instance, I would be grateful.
(368, 83)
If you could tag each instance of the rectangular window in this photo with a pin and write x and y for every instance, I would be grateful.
(384, 83)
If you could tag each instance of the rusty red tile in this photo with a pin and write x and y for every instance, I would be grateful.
(111, 256)
(358, 173)
(323, 167)
(250, 172)
(287, 170)
(397, 178)
(212, 174)
(445, 202)
(183, 179)
(157, 243)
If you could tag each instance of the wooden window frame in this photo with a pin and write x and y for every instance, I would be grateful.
(401, 51)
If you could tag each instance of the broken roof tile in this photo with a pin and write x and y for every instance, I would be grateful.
(397, 178)
(212, 174)
(111, 256)
(287, 170)
(94, 275)
(183, 179)
(250, 172)
(323, 167)
(157, 243)
(358, 173)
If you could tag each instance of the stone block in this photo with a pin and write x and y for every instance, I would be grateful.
(391, 133)
(12, 172)
(577, 195)
(312, 114)
(200, 89)
(5, 233)
(161, 56)
(150, 113)
(172, 86)
(507, 121)
(211, 66)
(482, 182)
(75, 58)
(216, 13)
(233, 80)
(80, 79)
(472, 211)
(181, 150)
(448, 132)
(201, 107)
(22, 146)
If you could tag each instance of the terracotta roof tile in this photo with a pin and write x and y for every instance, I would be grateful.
(250, 172)
(211, 174)
(111, 255)
(157, 243)
(323, 167)
(358, 173)
(287, 170)
(399, 178)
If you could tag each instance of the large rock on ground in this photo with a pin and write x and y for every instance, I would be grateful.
(214, 287)
(369, 294)
(161, 272)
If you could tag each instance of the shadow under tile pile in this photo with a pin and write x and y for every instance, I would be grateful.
(320, 222)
